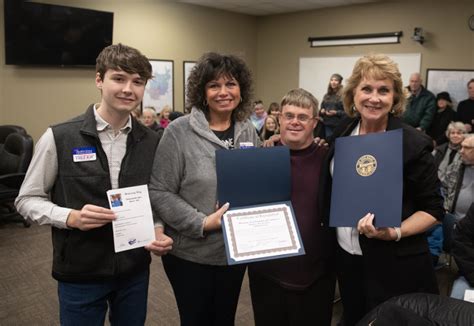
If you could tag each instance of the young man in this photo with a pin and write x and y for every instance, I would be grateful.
(74, 164)
(299, 290)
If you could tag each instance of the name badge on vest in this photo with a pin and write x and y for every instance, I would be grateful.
(84, 154)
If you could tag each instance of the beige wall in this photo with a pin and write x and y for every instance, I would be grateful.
(39, 97)
(272, 46)
(282, 39)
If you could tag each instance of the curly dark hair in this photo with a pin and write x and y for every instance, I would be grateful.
(212, 66)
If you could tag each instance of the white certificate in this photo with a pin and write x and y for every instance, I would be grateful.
(134, 226)
(261, 232)
(469, 296)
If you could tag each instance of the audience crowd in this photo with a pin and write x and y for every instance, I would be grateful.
(128, 146)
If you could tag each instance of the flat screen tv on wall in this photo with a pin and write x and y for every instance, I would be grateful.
(38, 34)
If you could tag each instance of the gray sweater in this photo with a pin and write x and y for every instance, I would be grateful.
(183, 185)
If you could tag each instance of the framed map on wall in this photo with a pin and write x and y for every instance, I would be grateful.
(187, 67)
(159, 90)
(453, 81)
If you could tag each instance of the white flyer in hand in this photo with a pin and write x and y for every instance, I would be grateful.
(134, 226)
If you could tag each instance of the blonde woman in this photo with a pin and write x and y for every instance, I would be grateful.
(374, 264)
(165, 116)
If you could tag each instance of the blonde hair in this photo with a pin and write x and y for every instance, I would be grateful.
(151, 110)
(377, 66)
(166, 108)
(455, 125)
(301, 98)
(264, 129)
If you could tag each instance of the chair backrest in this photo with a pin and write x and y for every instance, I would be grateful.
(15, 156)
(5, 130)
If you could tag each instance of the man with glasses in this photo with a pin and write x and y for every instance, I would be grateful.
(299, 290)
(460, 180)
(463, 234)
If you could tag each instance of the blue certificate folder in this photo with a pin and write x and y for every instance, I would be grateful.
(368, 178)
(254, 177)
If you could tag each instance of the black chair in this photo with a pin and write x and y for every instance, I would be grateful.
(15, 157)
(5, 130)
(420, 309)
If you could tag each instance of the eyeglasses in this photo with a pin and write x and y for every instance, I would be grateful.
(303, 118)
(467, 147)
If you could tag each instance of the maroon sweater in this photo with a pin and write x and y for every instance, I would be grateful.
(299, 272)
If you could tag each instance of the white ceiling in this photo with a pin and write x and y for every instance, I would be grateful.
(271, 7)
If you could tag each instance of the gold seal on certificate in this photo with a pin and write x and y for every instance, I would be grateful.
(261, 232)
(366, 165)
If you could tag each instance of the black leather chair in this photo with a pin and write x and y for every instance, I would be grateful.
(419, 309)
(15, 157)
(5, 130)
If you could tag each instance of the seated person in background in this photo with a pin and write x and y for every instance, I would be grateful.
(165, 116)
(443, 116)
(447, 153)
(465, 112)
(149, 119)
(459, 180)
(274, 110)
(463, 253)
(270, 128)
(258, 116)
(421, 105)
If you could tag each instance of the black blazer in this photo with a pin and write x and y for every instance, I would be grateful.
(393, 268)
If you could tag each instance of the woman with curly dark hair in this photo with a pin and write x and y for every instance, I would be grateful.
(183, 189)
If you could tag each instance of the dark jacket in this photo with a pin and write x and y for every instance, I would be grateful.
(308, 180)
(420, 109)
(158, 129)
(463, 245)
(333, 102)
(441, 120)
(465, 112)
(440, 152)
(453, 182)
(404, 266)
(89, 255)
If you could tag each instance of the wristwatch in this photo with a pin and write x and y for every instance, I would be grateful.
(399, 234)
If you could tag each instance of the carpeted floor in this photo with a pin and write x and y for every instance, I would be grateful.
(28, 292)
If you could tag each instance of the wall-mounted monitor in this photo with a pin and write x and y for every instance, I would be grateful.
(52, 35)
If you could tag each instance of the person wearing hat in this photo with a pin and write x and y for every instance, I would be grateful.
(332, 110)
(442, 118)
